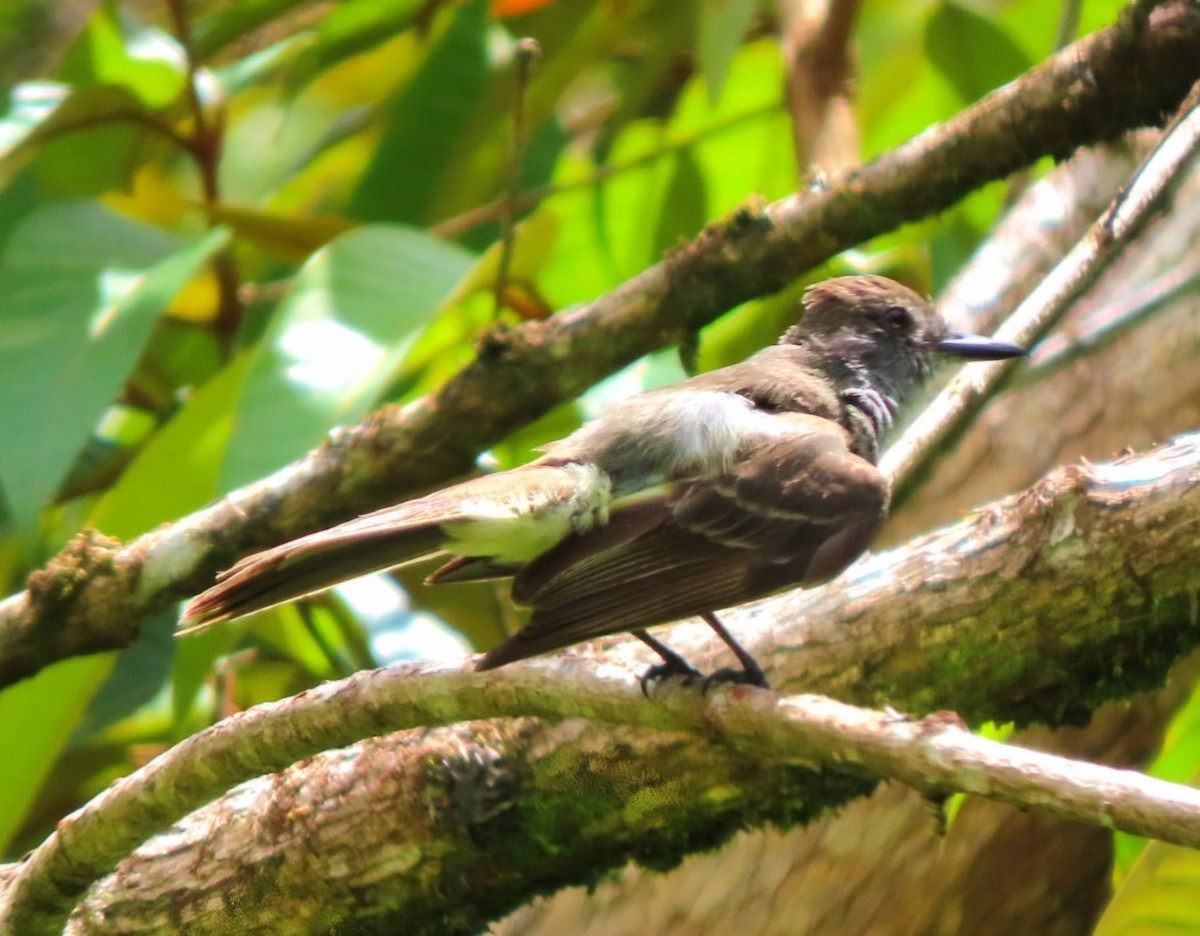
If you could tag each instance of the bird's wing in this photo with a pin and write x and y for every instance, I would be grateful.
(513, 516)
(795, 510)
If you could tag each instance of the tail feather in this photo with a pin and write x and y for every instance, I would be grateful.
(496, 521)
(303, 567)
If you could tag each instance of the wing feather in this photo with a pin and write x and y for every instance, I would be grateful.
(794, 511)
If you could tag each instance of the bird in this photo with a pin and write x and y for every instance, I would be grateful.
(680, 501)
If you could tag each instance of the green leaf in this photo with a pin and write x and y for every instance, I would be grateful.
(974, 54)
(684, 208)
(626, 208)
(195, 657)
(611, 229)
(118, 70)
(1157, 882)
(753, 325)
(226, 23)
(349, 29)
(137, 676)
(1157, 896)
(336, 340)
(83, 287)
(1178, 761)
(91, 127)
(258, 69)
(424, 123)
(900, 93)
(116, 49)
(723, 25)
(352, 28)
(648, 81)
(58, 695)
(740, 146)
(175, 473)
(30, 106)
(291, 236)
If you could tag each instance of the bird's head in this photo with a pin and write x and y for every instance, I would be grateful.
(883, 331)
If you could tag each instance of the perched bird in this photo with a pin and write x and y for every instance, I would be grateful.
(680, 501)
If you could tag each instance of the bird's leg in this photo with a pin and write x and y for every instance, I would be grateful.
(672, 665)
(751, 674)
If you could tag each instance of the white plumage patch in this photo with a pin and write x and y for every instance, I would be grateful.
(533, 518)
(668, 436)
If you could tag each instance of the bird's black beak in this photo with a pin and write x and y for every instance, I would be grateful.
(978, 348)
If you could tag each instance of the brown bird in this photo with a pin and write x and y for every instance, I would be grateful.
(679, 501)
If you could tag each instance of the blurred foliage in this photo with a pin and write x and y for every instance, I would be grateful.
(1156, 882)
(227, 227)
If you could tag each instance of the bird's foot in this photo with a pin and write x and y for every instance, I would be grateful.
(677, 667)
(737, 677)
(751, 674)
(672, 665)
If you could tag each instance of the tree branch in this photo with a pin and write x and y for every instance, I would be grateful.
(1038, 607)
(643, 792)
(816, 38)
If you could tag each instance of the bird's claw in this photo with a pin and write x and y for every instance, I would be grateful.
(736, 677)
(688, 674)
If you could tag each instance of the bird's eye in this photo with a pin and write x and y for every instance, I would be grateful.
(898, 318)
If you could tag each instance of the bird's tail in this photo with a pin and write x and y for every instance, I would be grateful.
(511, 517)
(308, 565)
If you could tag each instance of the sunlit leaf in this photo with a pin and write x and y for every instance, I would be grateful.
(42, 112)
(116, 49)
(351, 28)
(1158, 896)
(175, 473)
(137, 677)
(533, 243)
(1178, 761)
(742, 145)
(615, 227)
(685, 205)
(30, 105)
(336, 341)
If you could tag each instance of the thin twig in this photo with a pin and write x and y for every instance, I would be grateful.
(529, 198)
(818, 59)
(206, 140)
(526, 55)
(1104, 326)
